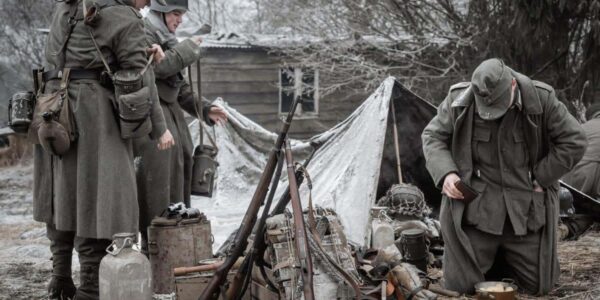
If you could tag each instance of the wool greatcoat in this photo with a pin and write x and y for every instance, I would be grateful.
(554, 141)
(164, 177)
(586, 175)
(91, 189)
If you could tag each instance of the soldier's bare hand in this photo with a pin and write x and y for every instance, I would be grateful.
(449, 189)
(158, 52)
(217, 115)
(197, 40)
(537, 187)
(166, 141)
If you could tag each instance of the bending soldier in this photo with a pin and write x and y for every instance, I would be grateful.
(87, 194)
(164, 177)
(510, 139)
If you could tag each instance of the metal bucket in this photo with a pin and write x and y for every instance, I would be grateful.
(173, 244)
(413, 247)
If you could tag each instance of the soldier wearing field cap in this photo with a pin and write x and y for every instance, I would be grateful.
(509, 139)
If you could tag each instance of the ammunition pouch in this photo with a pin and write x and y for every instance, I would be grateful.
(133, 105)
(20, 111)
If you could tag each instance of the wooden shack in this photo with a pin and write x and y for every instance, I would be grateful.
(250, 76)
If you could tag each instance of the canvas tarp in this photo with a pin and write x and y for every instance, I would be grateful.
(346, 170)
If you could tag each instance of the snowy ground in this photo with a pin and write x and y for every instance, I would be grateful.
(25, 264)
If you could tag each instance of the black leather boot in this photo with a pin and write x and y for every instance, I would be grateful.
(61, 288)
(89, 288)
(91, 252)
(61, 285)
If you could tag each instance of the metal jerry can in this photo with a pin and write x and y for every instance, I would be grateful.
(124, 272)
(176, 243)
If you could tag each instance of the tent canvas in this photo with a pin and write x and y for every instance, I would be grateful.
(353, 166)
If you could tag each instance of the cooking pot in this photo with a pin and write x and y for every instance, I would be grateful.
(496, 290)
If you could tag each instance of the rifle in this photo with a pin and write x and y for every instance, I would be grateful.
(240, 241)
(300, 236)
(256, 254)
(239, 284)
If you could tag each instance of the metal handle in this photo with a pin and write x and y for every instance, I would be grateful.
(117, 250)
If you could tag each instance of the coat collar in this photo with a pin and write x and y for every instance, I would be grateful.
(529, 96)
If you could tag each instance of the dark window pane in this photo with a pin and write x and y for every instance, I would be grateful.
(287, 89)
(308, 91)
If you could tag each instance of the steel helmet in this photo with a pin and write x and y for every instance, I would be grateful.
(165, 6)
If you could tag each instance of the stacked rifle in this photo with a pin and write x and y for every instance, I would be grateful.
(236, 288)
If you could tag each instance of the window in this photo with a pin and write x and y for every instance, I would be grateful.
(297, 82)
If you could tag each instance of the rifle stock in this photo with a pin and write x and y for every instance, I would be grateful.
(212, 290)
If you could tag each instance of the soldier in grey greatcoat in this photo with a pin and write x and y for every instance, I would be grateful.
(164, 177)
(88, 194)
(586, 174)
(510, 139)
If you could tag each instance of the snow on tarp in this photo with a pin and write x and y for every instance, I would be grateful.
(344, 170)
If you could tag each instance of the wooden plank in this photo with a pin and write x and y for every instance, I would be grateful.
(236, 75)
(221, 88)
(257, 109)
(237, 57)
(241, 67)
(245, 98)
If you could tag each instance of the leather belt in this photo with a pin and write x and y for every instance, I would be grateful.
(94, 74)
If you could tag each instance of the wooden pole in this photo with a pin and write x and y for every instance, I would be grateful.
(396, 142)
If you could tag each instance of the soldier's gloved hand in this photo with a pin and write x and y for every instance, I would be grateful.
(449, 189)
(158, 52)
(166, 141)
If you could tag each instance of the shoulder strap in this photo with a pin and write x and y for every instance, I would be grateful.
(88, 15)
(72, 21)
(198, 111)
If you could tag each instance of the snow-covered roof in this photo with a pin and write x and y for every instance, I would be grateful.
(277, 41)
(247, 41)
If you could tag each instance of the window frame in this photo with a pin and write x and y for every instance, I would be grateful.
(298, 91)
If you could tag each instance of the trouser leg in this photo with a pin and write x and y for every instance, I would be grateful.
(522, 257)
(485, 246)
(91, 252)
(61, 245)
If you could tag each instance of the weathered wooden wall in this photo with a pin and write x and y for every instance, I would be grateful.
(248, 79)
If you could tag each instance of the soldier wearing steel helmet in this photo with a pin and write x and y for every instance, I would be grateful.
(510, 139)
(88, 194)
(164, 177)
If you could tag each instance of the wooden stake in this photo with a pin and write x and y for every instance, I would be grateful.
(396, 142)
